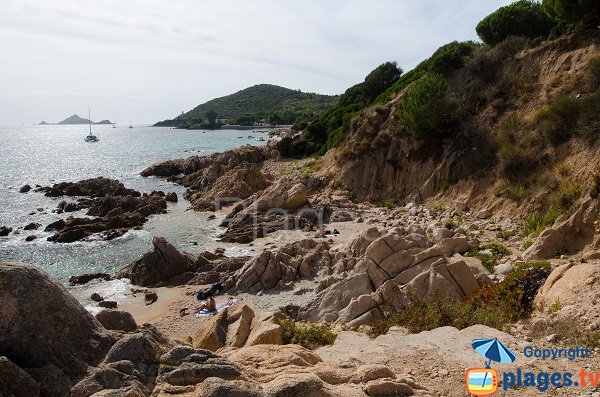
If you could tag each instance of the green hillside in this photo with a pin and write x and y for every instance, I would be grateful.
(267, 102)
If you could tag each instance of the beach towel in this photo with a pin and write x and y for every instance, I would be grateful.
(221, 304)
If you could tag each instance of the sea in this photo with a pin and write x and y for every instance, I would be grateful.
(45, 155)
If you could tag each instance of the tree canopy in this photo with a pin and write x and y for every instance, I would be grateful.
(574, 11)
(524, 18)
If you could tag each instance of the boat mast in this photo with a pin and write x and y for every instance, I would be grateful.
(90, 120)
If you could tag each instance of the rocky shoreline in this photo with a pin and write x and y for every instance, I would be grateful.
(383, 260)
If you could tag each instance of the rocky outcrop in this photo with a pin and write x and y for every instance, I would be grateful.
(568, 234)
(5, 231)
(24, 189)
(573, 290)
(236, 184)
(130, 368)
(276, 208)
(86, 278)
(116, 209)
(160, 266)
(394, 269)
(95, 187)
(60, 350)
(301, 259)
(238, 326)
(42, 324)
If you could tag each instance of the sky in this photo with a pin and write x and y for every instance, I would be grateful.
(148, 60)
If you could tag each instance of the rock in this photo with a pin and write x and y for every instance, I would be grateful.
(96, 297)
(117, 320)
(461, 205)
(483, 214)
(571, 286)
(130, 367)
(229, 327)
(457, 245)
(24, 189)
(156, 268)
(387, 388)
(171, 197)
(16, 382)
(441, 233)
(366, 373)
(86, 278)
(282, 195)
(52, 381)
(108, 304)
(32, 226)
(80, 341)
(150, 298)
(266, 329)
(299, 259)
(116, 208)
(5, 231)
(31, 238)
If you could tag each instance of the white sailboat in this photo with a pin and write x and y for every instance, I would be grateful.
(90, 137)
(130, 125)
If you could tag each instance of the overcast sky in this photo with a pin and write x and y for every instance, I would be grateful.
(151, 59)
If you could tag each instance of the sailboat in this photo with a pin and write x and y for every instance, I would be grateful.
(130, 125)
(90, 137)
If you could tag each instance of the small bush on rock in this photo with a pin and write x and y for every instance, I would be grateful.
(309, 335)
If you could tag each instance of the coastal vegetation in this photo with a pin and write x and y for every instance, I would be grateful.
(263, 103)
(497, 305)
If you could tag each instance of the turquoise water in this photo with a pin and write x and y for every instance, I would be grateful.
(49, 154)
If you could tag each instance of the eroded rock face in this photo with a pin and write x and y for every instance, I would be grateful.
(159, 266)
(295, 260)
(394, 269)
(16, 382)
(57, 330)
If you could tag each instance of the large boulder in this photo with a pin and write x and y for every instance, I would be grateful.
(573, 288)
(42, 324)
(5, 231)
(131, 366)
(117, 320)
(156, 268)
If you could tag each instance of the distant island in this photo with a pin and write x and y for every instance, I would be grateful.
(259, 106)
(75, 119)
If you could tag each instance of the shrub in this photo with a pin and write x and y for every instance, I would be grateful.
(309, 335)
(495, 306)
(594, 66)
(522, 18)
(558, 122)
(536, 224)
(489, 260)
(564, 169)
(428, 108)
(526, 244)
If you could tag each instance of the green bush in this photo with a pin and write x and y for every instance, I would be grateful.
(558, 122)
(428, 108)
(574, 11)
(536, 224)
(522, 18)
(489, 261)
(309, 335)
